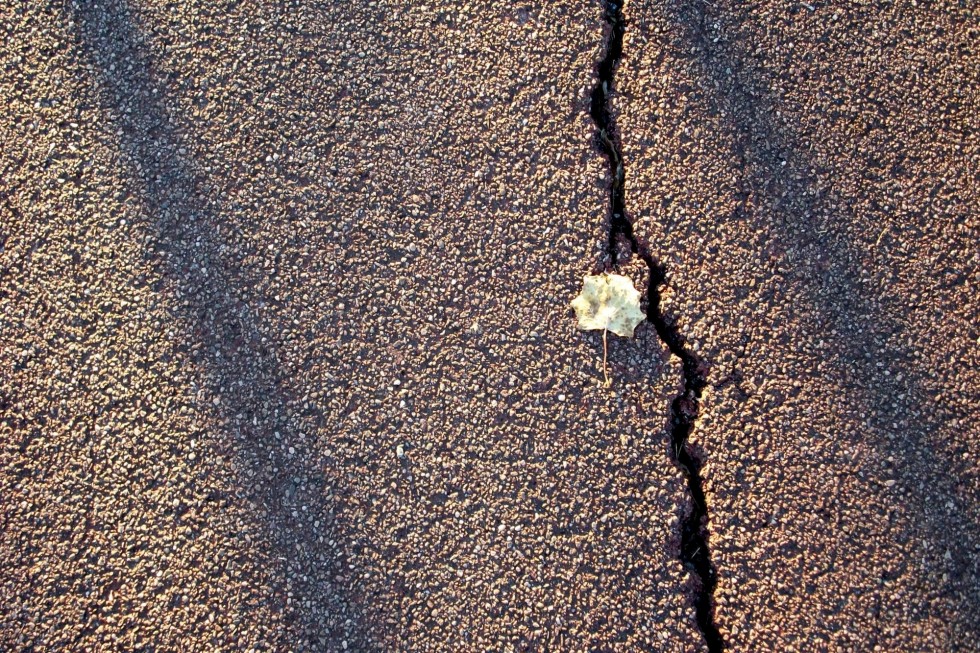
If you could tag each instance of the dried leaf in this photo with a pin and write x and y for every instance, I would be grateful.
(610, 302)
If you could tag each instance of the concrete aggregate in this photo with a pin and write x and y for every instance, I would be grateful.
(288, 361)
(811, 171)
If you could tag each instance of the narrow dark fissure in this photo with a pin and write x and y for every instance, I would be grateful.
(694, 552)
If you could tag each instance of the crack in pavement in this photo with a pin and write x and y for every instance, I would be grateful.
(694, 552)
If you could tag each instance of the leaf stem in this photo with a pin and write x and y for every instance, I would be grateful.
(605, 354)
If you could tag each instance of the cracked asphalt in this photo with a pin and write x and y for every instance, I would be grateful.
(287, 361)
(811, 172)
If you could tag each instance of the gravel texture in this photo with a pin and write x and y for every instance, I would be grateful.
(287, 357)
(809, 172)
(287, 361)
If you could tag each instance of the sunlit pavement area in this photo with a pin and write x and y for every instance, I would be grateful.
(287, 360)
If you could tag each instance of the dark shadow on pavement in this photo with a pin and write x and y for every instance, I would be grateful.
(782, 200)
(281, 474)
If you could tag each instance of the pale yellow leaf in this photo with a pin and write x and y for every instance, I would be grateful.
(608, 301)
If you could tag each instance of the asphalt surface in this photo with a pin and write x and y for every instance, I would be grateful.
(810, 174)
(287, 360)
(290, 357)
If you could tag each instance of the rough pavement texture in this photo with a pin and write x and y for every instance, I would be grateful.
(810, 175)
(287, 362)
(287, 357)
